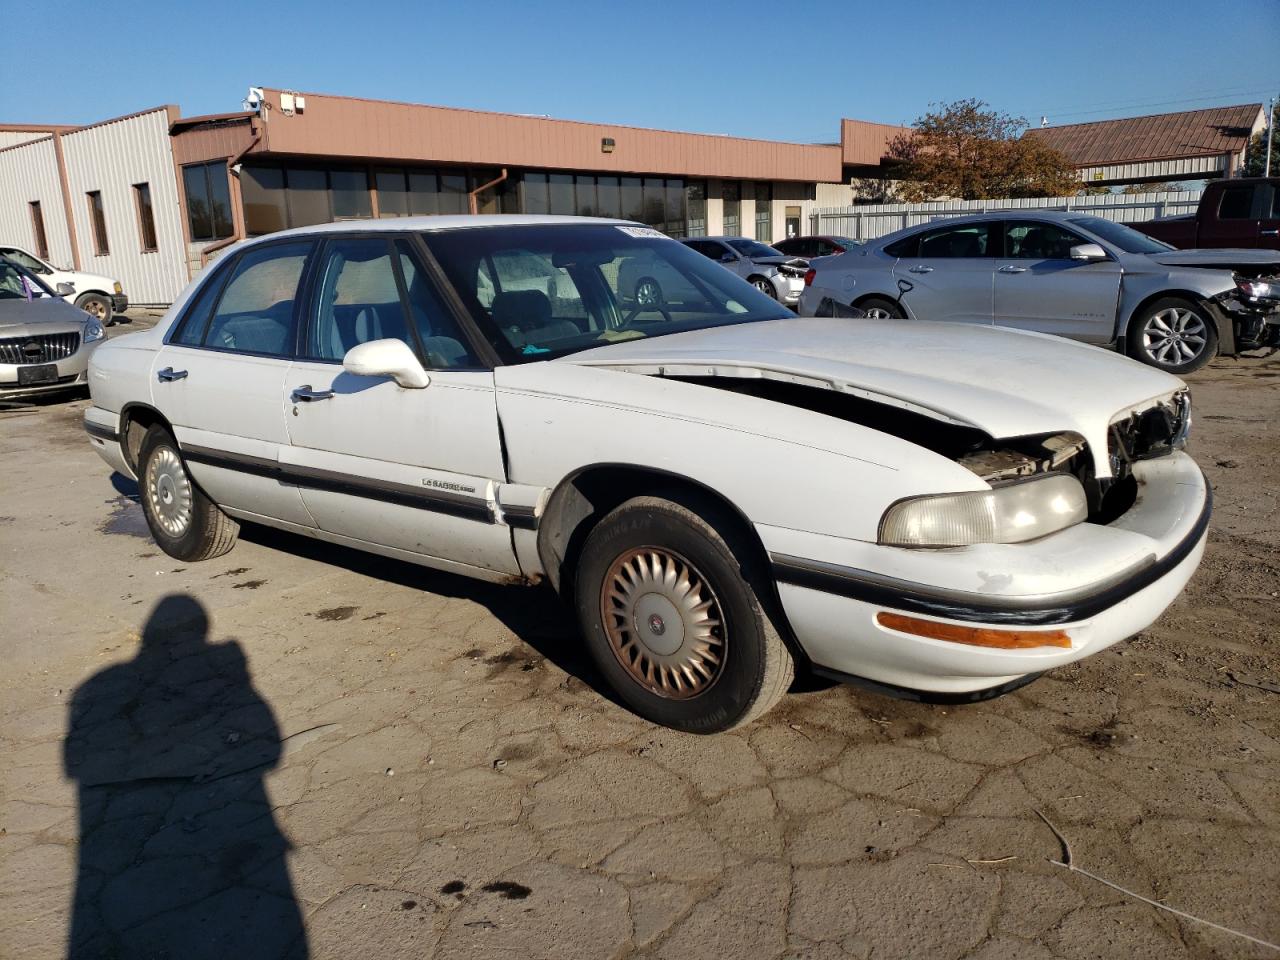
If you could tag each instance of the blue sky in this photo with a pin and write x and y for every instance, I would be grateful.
(764, 69)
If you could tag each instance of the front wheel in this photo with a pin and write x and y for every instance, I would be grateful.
(185, 523)
(1174, 335)
(97, 306)
(674, 622)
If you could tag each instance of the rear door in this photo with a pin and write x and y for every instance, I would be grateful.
(950, 275)
(1237, 220)
(416, 470)
(220, 379)
(1039, 287)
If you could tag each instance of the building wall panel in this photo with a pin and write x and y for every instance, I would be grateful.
(111, 157)
(30, 172)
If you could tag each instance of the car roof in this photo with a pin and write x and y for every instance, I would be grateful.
(435, 223)
(1053, 216)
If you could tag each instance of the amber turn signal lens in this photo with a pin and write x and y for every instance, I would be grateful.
(974, 636)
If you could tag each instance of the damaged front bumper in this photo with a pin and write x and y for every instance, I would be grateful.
(1096, 583)
(1254, 321)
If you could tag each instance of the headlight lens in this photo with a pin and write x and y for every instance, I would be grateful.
(93, 331)
(1008, 514)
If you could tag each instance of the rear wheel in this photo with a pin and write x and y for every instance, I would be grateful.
(97, 306)
(648, 292)
(673, 620)
(879, 308)
(185, 523)
(1173, 334)
(764, 286)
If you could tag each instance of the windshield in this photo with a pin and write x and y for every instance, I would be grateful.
(543, 291)
(1118, 235)
(18, 284)
(24, 260)
(754, 248)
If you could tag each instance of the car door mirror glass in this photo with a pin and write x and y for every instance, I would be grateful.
(386, 358)
(728, 257)
(64, 289)
(1088, 251)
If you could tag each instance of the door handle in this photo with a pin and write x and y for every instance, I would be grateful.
(1271, 233)
(168, 375)
(304, 394)
(920, 268)
(1010, 268)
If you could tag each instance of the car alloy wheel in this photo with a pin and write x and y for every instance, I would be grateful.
(648, 293)
(878, 313)
(663, 622)
(765, 287)
(1174, 336)
(168, 492)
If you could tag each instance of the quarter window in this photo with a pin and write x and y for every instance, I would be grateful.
(208, 200)
(1037, 240)
(37, 228)
(969, 240)
(99, 222)
(1236, 204)
(255, 311)
(146, 218)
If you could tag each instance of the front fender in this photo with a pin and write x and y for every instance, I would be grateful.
(775, 464)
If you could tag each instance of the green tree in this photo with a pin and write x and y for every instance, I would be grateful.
(968, 151)
(1255, 156)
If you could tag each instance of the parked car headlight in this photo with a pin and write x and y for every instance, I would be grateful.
(1258, 289)
(93, 330)
(1008, 514)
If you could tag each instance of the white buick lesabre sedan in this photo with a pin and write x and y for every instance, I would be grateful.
(722, 490)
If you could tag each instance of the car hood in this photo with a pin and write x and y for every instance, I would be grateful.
(776, 261)
(20, 318)
(1007, 383)
(1224, 258)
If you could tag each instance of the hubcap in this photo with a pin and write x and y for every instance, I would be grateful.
(98, 309)
(647, 293)
(878, 313)
(663, 622)
(1173, 336)
(168, 492)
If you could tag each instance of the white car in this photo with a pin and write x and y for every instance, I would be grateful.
(99, 296)
(721, 489)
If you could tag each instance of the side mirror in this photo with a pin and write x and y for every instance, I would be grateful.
(64, 290)
(386, 358)
(1088, 251)
(728, 257)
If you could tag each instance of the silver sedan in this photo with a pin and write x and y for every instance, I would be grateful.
(45, 342)
(1071, 275)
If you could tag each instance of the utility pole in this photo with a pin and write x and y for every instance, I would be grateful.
(1271, 131)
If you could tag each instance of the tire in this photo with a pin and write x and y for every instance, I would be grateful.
(1173, 335)
(879, 308)
(200, 531)
(764, 286)
(648, 292)
(705, 587)
(97, 306)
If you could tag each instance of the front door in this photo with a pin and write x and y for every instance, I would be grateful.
(1039, 287)
(416, 470)
(950, 278)
(221, 378)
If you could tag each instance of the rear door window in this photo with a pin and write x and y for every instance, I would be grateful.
(255, 313)
(969, 240)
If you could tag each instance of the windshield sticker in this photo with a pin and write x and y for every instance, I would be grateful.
(530, 349)
(613, 336)
(643, 233)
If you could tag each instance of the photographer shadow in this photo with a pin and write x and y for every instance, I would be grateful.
(179, 852)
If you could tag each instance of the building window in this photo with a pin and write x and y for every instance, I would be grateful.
(37, 229)
(99, 222)
(146, 219)
(276, 198)
(695, 202)
(208, 200)
(764, 212)
(731, 191)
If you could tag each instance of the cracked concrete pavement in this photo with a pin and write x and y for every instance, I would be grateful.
(299, 750)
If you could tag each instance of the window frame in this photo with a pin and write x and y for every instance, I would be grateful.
(433, 274)
(222, 277)
(98, 222)
(39, 235)
(148, 220)
(204, 166)
(1007, 225)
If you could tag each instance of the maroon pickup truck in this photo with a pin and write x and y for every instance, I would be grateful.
(1232, 213)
